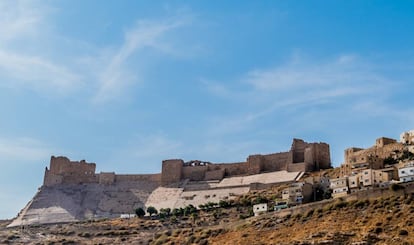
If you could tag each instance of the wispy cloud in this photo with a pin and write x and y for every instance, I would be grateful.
(24, 23)
(20, 18)
(27, 61)
(144, 35)
(345, 71)
(300, 85)
(36, 72)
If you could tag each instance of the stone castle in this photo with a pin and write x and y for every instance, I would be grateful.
(302, 157)
(72, 190)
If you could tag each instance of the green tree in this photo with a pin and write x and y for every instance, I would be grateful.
(151, 210)
(177, 212)
(224, 204)
(140, 212)
(165, 212)
(189, 210)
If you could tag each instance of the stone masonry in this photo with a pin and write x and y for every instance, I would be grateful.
(72, 190)
(302, 157)
(373, 157)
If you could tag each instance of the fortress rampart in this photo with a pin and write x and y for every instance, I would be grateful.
(64, 171)
(301, 157)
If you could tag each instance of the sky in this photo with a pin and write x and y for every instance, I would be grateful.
(126, 84)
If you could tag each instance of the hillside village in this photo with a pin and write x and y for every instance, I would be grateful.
(73, 191)
(388, 161)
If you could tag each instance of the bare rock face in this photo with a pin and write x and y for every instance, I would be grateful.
(67, 203)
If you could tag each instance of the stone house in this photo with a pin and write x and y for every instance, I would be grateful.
(364, 179)
(373, 177)
(407, 137)
(298, 193)
(339, 187)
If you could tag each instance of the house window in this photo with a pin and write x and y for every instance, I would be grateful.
(365, 172)
(366, 180)
(353, 182)
(403, 172)
(411, 170)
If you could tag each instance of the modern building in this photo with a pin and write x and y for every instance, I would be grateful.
(298, 193)
(339, 187)
(259, 209)
(406, 172)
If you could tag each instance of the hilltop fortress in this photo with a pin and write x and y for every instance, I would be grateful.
(302, 157)
(72, 190)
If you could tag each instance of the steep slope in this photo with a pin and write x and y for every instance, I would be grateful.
(67, 203)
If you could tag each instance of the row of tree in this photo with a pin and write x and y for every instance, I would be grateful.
(166, 212)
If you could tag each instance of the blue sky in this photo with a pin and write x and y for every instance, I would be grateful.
(127, 84)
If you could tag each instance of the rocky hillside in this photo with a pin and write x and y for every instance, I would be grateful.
(372, 221)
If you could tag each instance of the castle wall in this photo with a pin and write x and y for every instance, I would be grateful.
(235, 169)
(171, 171)
(52, 179)
(64, 171)
(214, 174)
(255, 164)
(380, 142)
(62, 165)
(106, 178)
(195, 173)
(74, 178)
(302, 156)
(324, 155)
(318, 156)
(298, 150)
(276, 161)
(137, 178)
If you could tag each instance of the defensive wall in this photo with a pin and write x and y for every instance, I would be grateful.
(302, 157)
(64, 171)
